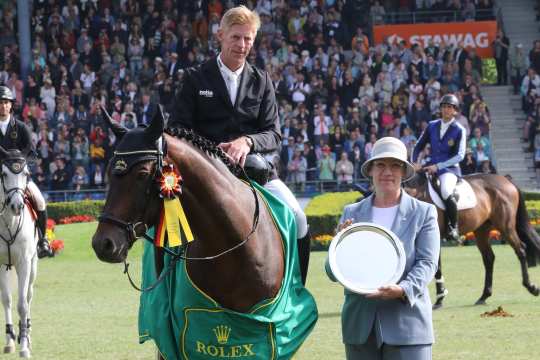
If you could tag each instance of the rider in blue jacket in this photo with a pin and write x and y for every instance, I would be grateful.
(448, 141)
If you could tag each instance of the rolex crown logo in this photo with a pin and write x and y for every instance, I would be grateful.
(222, 333)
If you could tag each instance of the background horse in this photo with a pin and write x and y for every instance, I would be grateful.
(500, 205)
(17, 248)
(226, 215)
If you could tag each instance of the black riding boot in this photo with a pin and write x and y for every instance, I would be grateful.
(452, 217)
(304, 248)
(43, 248)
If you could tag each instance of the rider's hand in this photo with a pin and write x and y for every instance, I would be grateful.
(417, 167)
(236, 150)
(431, 169)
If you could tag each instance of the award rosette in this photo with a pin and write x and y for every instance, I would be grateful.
(170, 183)
(173, 219)
(365, 256)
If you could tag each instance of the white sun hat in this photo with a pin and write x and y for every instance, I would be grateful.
(389, 147)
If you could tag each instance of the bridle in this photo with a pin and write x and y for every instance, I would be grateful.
(8, 196)
(139, 229)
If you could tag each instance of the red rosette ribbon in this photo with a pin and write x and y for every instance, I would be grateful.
(170, 182)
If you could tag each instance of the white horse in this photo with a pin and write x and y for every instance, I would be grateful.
(18, 240)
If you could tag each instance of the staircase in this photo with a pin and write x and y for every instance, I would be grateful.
(519, 22)
(507, 118)
(507, 121)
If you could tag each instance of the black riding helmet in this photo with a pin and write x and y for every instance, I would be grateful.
(450, 99)
(6, 94)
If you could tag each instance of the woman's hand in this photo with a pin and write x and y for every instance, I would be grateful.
(343, 225)
(388, 292)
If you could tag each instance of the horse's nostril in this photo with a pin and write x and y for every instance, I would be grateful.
(108, 245)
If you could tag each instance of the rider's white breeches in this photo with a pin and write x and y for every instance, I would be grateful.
(448, 184)
(37, 196)
(279, 189)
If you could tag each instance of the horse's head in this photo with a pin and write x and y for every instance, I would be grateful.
(14, 178)
(132, 202)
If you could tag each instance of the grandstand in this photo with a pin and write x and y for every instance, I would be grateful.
(346, 73)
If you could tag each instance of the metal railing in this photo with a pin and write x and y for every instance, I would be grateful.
(74, 195)
(428, 16)
(306, 188)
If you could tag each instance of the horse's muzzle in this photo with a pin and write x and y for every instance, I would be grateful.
(110, 245)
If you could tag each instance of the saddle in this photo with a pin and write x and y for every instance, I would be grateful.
(30, 204)
(258, 168)
(465, 196)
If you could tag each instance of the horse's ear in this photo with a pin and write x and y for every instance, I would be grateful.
(118, 130)
(3, 152)
(157, 125)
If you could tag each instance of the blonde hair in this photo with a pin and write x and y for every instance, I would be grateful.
(240, 15)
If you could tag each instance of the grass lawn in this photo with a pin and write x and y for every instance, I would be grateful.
(85, 309)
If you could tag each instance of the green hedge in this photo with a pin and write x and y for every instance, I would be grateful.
(58, 210)
(323, 211)
(529, 195)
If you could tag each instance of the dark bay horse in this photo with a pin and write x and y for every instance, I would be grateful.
(220, 210)
(238, 260)
(500, 206)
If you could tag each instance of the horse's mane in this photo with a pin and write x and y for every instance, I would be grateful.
(207, 146)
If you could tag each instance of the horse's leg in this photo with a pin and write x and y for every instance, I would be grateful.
(23, 272)
(519, 248)
(488, 258)
(6, 302)
(442, 291)
(32, 279)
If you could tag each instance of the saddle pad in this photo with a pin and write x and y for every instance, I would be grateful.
(186, 323)
(467, 197)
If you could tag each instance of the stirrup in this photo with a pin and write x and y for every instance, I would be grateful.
(44, 249)
(452, 234)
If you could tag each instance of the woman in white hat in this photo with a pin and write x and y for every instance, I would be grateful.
(394, 322)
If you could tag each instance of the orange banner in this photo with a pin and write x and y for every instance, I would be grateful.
(478, 35)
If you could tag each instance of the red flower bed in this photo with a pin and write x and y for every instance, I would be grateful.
(76, 219)
(51, 224)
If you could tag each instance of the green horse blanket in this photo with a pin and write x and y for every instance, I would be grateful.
(186, 323)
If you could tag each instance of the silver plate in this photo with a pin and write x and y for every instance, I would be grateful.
(365, 256)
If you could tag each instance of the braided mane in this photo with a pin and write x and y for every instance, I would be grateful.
(207, 146)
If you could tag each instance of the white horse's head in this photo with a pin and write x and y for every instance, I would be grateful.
(14, 177)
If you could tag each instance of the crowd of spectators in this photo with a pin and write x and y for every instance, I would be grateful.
(426, 11)
(526, 82)
(337, 91)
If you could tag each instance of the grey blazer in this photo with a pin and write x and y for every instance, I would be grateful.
(397, 322)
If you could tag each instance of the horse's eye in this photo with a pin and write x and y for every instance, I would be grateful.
(142, 175)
